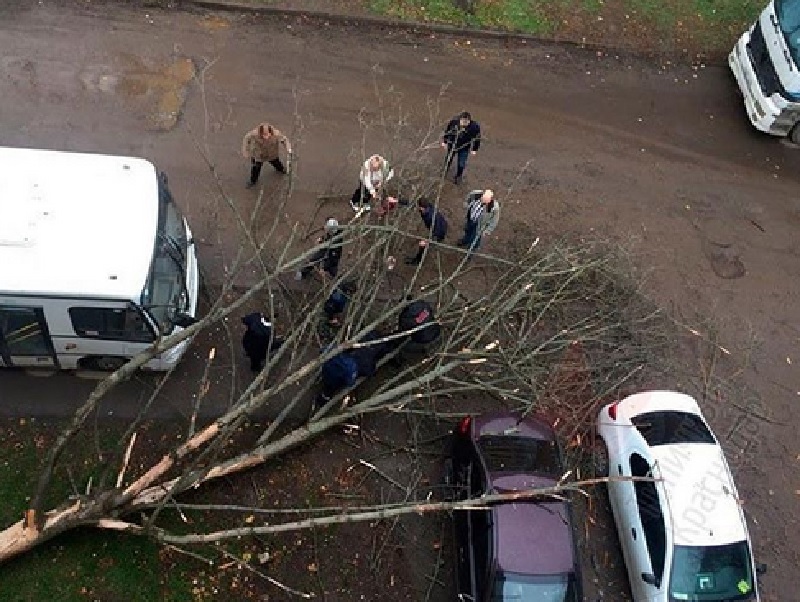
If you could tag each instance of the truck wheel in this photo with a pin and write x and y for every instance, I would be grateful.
(794, 135)
(104, 363)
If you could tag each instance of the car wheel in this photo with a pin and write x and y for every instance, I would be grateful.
(600, 460)
(794, 135)
(104, 363)
(449, 481)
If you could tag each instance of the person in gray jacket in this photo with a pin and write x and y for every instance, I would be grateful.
(483, 214)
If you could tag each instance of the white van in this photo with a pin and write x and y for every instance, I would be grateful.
(765, 63)
(96, 261)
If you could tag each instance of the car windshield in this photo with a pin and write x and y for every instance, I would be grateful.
(711, 573)
(663, 428)
(552, 588)
(789, 19)
(165, 293)
(509, 454)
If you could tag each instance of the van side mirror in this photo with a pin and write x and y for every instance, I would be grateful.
(761, 569)
(651, 579)
(184, 320)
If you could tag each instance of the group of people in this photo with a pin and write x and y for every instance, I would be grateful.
(416, 333)
(461, 139)
(417, 328)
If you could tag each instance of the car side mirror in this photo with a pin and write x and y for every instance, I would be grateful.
(184, 320)
(651, 579)
(761, 569)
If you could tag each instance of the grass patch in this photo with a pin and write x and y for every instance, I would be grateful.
(86, 564)
(692, 25)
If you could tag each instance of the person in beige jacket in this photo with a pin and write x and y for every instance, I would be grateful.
(371, 180)
(263, 144)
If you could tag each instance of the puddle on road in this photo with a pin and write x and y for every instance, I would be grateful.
(155, 89)
(214, 23)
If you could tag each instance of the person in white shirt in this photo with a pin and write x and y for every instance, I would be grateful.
(374, 174)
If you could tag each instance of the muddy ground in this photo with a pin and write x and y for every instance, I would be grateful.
(578, 144)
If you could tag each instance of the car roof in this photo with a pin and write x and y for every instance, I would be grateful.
(508, 423)
(76, 224)
(702, 499)
(657, 401)
(533, 538)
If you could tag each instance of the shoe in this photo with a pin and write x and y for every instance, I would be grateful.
(366, 207)
(249, 184)
(354, 206)
(412, 260)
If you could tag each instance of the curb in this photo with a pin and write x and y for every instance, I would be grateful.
(262, 9)
(258, 8)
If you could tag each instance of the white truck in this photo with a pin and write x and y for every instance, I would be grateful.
(96, 261)
(765, 62)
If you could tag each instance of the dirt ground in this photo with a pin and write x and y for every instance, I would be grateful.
(578, 144)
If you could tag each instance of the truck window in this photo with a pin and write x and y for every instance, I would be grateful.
(116, 323)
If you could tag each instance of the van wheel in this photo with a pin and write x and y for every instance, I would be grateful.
(794, 135)
(104, 363)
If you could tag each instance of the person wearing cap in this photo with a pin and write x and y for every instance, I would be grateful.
(435, 224)
(462, 138)
(263, 144)
(483, 214)
(258, 339)
(374, 175)
(326, 259)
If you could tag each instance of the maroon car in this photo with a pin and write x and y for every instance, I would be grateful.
(521, 550)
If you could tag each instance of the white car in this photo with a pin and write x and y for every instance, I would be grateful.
(679, 519)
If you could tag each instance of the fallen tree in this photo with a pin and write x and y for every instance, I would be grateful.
(528, 329)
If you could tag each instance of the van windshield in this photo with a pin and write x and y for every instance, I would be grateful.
(165, 294)
(789, 19)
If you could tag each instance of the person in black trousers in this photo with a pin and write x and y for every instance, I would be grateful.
(326, 259)
(435, 225)
(462, 138)
(258, 339)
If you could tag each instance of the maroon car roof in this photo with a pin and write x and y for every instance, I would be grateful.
(534, 539)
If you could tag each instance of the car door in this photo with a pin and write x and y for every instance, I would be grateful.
(471, 526)
(648, 533)
(628, 518)
(24, 338)
(650, 573)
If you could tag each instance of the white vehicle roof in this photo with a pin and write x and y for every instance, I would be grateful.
(657, 401)
(76, 224)
(703, 503)
(702, 499)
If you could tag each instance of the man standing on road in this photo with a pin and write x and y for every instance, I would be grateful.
(483, 213)
(435, 225)
(462, 137)
(263, 144)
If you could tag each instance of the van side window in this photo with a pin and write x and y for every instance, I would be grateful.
(118, 323)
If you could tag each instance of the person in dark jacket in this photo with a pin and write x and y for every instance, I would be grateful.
(326, 259)
(418, 319)
(483, 214)
(462, 138)
(344, 369)
(435, 225)
(258, 340)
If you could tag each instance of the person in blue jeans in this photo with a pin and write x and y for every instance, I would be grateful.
(462, 138)
(483, 214)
